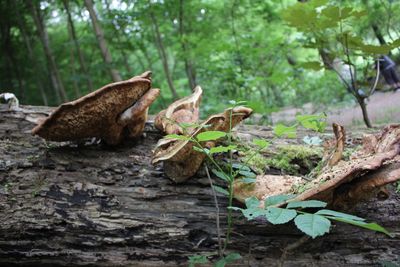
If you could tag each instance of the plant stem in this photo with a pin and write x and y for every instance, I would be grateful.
(217, 210)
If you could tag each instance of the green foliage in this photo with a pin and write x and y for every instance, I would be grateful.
(230, 258)
(292, 158)
(210, 136)
(197, 259)
(312, 224)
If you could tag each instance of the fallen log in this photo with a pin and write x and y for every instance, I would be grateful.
(65, 204)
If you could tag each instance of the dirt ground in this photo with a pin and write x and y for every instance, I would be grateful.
(382, 108)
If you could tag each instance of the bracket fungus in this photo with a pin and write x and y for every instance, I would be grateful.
(111, 113)
(184, 110)
(341, 185)
(180, 160)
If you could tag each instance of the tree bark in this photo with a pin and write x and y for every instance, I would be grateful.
(68, 205)
(364, 111)
(162, 53)
(44, 37)
(72, 31)
(102, 42)
(189, 68)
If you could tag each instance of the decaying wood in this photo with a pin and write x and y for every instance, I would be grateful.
(69, 205)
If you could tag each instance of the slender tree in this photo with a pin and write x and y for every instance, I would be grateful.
(105, 52)
(189, 66)
(161, 52)
(44, 37)
(81, 57)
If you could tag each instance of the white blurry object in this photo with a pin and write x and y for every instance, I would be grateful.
(11, 99)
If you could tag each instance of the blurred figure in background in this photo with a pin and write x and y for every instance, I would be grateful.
(388, 70)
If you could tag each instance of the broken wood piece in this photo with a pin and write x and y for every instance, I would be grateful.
(342, 185)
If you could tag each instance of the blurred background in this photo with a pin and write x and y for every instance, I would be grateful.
(278, 55)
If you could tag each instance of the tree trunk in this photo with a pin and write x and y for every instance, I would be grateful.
(189, 69)
(32, 59)
(68, 205)
(77, 46)
(102, 42)
(163, 55)
(44, 37)
(364, 110)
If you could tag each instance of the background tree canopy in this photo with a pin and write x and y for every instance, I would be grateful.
(271, 53)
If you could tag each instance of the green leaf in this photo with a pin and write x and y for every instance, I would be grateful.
(253, 213)
(339, 215)
(313, 122)
(210, 136)
(261, 143)
(312, 65)
(248, 174)
(306, 204)
(231, 257)
(274, 200)
(252, 202)
(240, 166)
(222, 149)
(221, 175)
(279, 216)
(248, 180)
(201, 150)
(197, 259)
(312, 224)
(281, 130)
(220, 190)
(178, 137)
(370, 226)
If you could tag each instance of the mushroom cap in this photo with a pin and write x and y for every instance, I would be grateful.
(181, 161)
(96, 114)
(184, 110)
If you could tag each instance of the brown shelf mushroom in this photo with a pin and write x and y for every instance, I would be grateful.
(184, 110)
(107, 113)
(180, 160)
(344, 184)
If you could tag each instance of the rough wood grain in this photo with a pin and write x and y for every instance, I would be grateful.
(70, 205)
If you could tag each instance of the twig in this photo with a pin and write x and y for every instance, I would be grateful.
(372, 90)
(217, 209)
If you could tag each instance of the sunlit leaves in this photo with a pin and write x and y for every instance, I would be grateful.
(261, 143)
(222, 149)
(312, 65)
(281, 130)
(177, 137)
(313, 122)
(210, 136)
